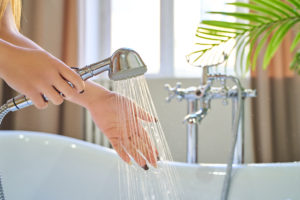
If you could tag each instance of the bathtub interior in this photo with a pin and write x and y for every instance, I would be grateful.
(44, 166)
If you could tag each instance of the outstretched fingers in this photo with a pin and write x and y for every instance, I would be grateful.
(140, 140)
(137, 157)
(145, 146)
(120, 150)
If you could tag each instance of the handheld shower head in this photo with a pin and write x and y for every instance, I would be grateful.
(126, 63)
(123, 64)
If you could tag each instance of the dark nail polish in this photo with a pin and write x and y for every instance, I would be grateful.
(76, 68)
(81, 92)
(145, 167)
(45, 99)
(158, 158)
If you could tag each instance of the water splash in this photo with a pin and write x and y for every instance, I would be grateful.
(134, 182)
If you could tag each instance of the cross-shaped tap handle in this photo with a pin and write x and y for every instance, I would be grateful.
(173, 92)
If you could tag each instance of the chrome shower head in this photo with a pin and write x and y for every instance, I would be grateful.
(123, 64)
(126, 63)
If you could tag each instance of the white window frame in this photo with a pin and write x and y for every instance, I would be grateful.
(101, 35)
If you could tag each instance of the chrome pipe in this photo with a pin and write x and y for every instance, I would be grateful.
(239, 154)
(94, 69)
(192, 134)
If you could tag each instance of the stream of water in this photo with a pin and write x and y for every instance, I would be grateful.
(136, 183)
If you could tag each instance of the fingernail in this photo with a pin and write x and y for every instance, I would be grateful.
(158, 158)
(130, 163)
(63, 95)
(76, 68)
(145, 167)
(81, 92)
(45, 99)
(156, 120)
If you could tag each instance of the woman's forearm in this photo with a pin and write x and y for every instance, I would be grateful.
(10, 37)
(93, 94)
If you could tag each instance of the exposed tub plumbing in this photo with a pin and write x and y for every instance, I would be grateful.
(199, 103)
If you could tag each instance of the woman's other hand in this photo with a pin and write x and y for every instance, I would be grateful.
(34, 72)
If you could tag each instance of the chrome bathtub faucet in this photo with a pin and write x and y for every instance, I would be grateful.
(199, 103)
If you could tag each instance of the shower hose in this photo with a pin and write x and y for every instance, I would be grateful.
(1, 191)
(3, 112)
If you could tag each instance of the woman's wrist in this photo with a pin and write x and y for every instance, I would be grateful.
(93, 94)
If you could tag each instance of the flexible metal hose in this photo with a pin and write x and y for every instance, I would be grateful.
(228, 176)
(3, 111)
(1, 191)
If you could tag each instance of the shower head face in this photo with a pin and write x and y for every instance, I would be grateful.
(125, 64)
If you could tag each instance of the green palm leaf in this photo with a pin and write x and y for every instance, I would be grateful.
(276, 41)
(295, 3)
(282, 6)
(256, 8)
(296, 63)
(272, 6)
(261, 43)
(266, 18)
(246, 16)
(295, 42)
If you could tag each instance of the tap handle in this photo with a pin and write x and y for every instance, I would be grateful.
(173, 92)
(249, 93)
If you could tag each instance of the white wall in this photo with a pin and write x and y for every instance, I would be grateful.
(215, 134)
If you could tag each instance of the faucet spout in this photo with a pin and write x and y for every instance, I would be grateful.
(196, 117)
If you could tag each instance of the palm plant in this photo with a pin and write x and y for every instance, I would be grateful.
(261, 32)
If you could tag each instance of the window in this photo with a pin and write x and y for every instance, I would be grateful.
(161, 31)
(135, 24)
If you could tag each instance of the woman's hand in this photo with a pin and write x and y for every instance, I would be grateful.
(120, 120)
(34, 72)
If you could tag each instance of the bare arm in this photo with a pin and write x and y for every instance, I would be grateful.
(32, 71)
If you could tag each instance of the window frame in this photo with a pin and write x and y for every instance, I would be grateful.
(102, 34)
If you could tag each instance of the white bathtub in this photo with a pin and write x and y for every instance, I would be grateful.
(38, 166)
